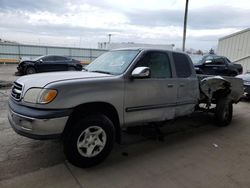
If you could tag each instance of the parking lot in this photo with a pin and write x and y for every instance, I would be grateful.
(194, 153)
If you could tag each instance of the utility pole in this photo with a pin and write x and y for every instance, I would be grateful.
(185, 26)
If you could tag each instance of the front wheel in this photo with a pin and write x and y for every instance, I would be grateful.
(89, 141)
(30, 70)
(224, 112)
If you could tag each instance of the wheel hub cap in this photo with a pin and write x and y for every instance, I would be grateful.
(91, 141)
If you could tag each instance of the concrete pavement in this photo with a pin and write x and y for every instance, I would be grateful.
(54, 177)
(195, 153)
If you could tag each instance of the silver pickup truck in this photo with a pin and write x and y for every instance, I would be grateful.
(120, 89)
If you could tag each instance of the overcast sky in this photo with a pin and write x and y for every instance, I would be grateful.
(86, 22)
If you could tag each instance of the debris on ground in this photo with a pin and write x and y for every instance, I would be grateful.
(215, 145)
(5, 84)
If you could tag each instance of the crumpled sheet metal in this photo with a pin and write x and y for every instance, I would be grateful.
(210, 84)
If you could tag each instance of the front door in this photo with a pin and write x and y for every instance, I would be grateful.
(208, 66)
(220, 66)
(151, 99)
(47, 64)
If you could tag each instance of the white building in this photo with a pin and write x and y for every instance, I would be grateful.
(237, 48)
(110, 46)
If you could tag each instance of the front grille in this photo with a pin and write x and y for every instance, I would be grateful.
(16, 91)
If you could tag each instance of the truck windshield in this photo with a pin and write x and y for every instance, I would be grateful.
(113, 62)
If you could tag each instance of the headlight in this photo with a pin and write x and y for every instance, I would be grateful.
(246, 82)
(39, 95)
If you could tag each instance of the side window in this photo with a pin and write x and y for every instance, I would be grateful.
(48, 58)
(182, 65)
(59, 58)
(219, 61)
(159, 64)
(208, 60)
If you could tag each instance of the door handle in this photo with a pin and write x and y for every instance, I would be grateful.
(181, 85)
(170, 85)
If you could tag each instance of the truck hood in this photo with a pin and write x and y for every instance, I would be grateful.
(42, 79)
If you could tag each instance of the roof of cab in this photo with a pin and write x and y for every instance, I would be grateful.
(147, 49)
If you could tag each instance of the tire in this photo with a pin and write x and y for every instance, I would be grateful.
(71, 69)
(30, 70)
(223, 112)
(89, 141)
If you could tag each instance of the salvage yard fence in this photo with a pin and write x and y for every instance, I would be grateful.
(12, 53)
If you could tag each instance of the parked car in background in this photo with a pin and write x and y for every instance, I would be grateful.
(217, 65)
(246, 82)
(48, 63)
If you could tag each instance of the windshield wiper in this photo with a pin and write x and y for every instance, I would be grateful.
(98, 71)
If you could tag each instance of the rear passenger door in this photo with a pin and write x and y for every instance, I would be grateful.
(187, 87)
(61, 63)
(151, 99)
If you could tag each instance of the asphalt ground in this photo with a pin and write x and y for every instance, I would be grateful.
(194, 153)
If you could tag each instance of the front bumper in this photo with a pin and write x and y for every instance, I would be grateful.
(20, 69)
(48, 126)
(247, 89)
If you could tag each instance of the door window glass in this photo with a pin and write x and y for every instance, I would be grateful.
(159, 64)
(219, 61)
(48, 58)
(182, 65)
(59, 58)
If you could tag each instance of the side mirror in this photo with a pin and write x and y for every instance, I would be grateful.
(141, 72)
(208, 61)
(40, 60)
(198, 70)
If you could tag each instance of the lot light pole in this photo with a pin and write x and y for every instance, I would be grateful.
(109, 37)
(185, 26)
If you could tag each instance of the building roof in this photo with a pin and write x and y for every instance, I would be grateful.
(234, 34)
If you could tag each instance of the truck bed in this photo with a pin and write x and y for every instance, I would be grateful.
(209, 84)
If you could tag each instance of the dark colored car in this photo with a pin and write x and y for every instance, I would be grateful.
(246, 82)
(217, 65)
(48, 63)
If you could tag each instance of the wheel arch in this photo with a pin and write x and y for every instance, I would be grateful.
(85, 109)
(221, 93)
(30, 64)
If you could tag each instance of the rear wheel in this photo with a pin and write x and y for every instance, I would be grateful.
(224, 112)
(30, 70)
(89, 141)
